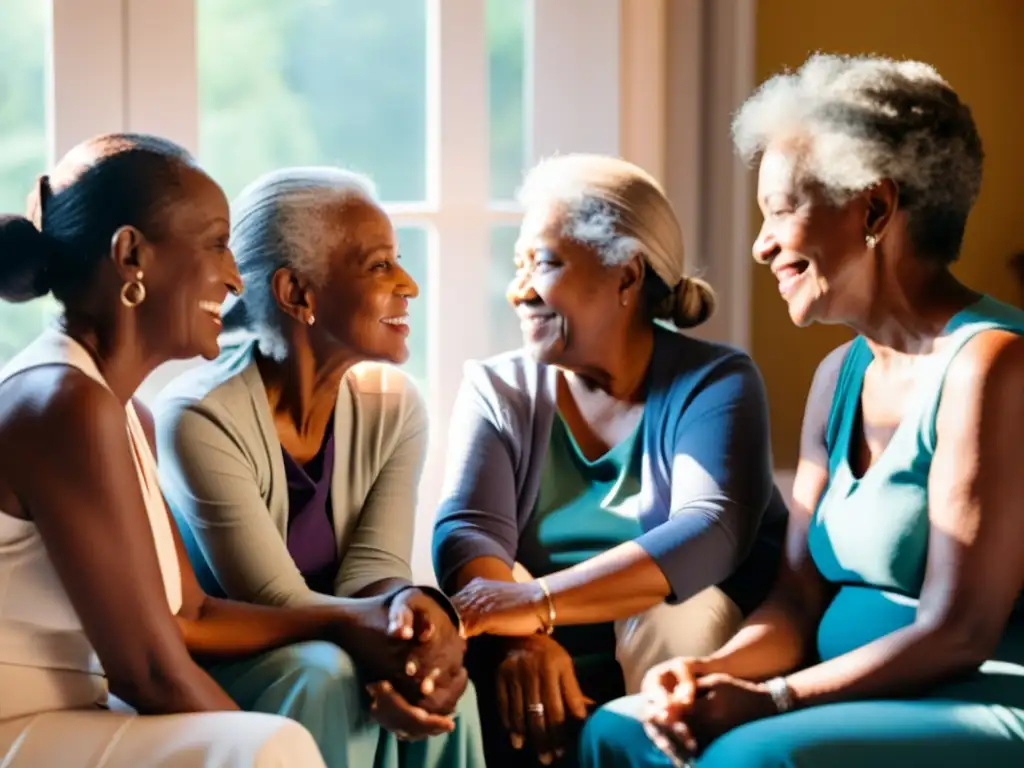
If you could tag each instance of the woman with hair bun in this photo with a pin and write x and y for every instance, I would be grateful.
(609, 499)
(103, 625)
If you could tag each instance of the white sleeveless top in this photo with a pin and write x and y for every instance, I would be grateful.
(46, 660)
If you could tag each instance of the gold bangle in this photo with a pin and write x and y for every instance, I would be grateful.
(550, 628)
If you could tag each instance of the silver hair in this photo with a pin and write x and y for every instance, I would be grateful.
(280, 220)
(619, 210)
(862, 119)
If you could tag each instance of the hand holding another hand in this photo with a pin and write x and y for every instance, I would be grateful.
(506, 608)
(689, 706)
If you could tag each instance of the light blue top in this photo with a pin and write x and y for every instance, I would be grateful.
(870, 534)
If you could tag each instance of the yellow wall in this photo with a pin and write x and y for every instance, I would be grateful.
(978, 46)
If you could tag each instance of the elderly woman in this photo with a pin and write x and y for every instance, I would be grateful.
(903, 566)
(621, 463)
(292, 462)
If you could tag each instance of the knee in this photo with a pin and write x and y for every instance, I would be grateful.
(614, 735)
(467, 712)
(319, 668)
(289, 744)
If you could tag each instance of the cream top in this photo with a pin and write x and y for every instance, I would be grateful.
(39, 628)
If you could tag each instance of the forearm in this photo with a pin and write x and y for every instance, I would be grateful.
(899, 664)
(769, 643)
(621, 582)
(226, 628)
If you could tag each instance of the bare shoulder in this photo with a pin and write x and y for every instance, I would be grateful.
(989, 371)
(52, 412)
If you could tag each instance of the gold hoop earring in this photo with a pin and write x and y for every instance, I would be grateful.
(133, 292)
(871, 241)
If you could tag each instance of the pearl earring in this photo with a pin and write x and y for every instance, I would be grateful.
(871, 241)
(311, 320)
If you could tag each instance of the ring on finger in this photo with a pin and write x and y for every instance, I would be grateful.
(535, 709)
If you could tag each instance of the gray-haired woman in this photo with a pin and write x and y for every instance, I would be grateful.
(903, 567)
(291, 464)
(623, 464)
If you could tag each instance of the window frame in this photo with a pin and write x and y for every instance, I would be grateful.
(637, 72)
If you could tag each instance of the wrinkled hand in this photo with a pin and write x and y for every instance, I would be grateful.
(500, 608)
(686, 712)
(537, 691)
(411, 723)
(436, 662)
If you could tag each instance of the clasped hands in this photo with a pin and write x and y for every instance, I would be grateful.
(412, 652)
(688, 705)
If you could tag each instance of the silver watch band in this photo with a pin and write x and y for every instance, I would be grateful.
(781, 694)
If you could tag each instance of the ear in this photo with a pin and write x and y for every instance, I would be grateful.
(632, 275)
(293, 297)
(882, 203)
(130, 251)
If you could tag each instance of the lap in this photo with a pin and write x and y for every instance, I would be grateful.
(936, 732)
(208, 740)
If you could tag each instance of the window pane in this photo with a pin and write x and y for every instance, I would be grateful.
(314, 82)
(504, 325)
(413, 245)
(22, 142)
(506, 62)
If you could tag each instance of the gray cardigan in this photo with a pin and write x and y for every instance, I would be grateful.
(709, 508)
(222, 472)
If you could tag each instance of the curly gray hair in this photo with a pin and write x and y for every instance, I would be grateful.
(619, 210)
(868, 118)
(280, 220)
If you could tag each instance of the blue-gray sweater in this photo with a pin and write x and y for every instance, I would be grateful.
(709, 508)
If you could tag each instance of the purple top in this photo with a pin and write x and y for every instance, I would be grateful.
(310, 526)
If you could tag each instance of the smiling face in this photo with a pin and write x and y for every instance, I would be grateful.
(568, 300)
(815, 248)
(364, 301)
(189, 271)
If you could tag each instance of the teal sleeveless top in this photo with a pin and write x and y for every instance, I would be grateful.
(869, 535)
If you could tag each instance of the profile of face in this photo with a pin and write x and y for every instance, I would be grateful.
(187, 267)
(568, 301)
(815, 249)
(363, 304)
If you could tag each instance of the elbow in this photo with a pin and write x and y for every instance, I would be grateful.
(151, 689)
(962, 643)
(153, 680)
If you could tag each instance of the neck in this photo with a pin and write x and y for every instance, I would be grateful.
(119, 351)
(303, 387)
(621, 369)
(910, 307)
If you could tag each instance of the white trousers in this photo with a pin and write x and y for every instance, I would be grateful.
(91, 737)
(696, 627)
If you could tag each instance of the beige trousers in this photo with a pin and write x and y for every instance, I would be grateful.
(696, 627)
(119, 738)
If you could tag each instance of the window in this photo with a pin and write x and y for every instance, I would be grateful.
(443, 103)
(23, 146)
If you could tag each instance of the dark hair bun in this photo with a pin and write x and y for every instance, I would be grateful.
(24, 255)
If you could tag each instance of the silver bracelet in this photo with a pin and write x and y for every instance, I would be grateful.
(781, 693)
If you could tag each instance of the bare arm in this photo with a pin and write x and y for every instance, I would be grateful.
(974, 572)
(94, 525)
(779, 636)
